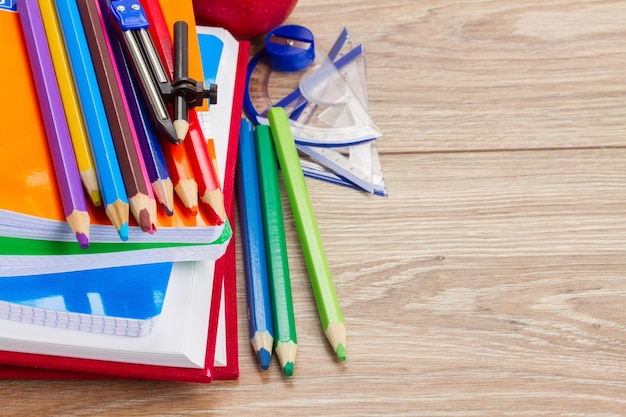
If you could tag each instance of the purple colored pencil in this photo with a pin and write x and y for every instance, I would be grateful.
(55, 123)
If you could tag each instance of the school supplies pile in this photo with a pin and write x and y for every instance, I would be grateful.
(149, 289)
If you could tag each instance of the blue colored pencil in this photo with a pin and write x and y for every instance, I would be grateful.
(107, 166)
(285, 339)
(151, 151)
(57, 131)
(253, 245)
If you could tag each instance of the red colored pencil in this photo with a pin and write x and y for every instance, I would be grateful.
(204, 171)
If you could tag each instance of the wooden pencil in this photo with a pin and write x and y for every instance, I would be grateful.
(71, 103)
(133, 147)
(310, 239)
(57, 131)
(156, 166)
(153, 158)
(136, 183)
(253, 247)
(99, 134)
(285, 339)
(185, 185)
(205, 173)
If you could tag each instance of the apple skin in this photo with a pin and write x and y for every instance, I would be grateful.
(244, 19)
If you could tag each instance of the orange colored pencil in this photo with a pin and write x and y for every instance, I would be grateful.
(181, 174)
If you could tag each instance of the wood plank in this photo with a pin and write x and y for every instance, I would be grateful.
(491, 280)
(466, 75)
(500, 289)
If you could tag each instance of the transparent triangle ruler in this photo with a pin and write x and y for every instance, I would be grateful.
(327, 107)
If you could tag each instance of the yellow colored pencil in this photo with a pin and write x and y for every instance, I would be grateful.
(71, 103)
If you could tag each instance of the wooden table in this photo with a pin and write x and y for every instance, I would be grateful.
(492, 280)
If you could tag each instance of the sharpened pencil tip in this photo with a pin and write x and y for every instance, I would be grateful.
(123, 232)
(96, 198)
(341, 352)
(288, 369)
(264, 358)
(144, 221)
(167, 210)
(83, 240)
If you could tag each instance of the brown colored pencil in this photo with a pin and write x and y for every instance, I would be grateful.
(135, 181)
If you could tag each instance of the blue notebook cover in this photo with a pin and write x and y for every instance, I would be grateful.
(120, 300)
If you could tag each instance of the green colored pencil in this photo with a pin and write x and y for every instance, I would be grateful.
(310, 239)
(285, 340)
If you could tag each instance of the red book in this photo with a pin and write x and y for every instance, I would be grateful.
(222, 326)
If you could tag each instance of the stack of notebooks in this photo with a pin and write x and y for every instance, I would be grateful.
(158, 306)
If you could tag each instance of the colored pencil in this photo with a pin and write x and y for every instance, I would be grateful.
(99, 133)
(71, 104)
(57, 130)
(132, 166)
(310, 239)
(132, 147)
(253, 247)
(285, 339)
(158, 174)
(147, 140)
(181, 173)
(204, 171)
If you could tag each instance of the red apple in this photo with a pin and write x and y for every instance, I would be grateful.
(244, 19)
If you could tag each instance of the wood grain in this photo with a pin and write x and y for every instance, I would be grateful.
(491, 281)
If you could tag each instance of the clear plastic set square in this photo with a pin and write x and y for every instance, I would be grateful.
(325, 96)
